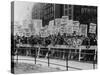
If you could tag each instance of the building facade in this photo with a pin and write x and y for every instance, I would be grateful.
(85, 14)
(48, 11)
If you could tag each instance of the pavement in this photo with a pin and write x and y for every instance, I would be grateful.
(23, 68)
(56, 63)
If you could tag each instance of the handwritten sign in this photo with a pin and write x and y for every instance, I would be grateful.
(92, 28)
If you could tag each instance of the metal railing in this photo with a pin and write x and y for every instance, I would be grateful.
(54, 53)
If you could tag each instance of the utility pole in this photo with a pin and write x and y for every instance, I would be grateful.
(54, 13)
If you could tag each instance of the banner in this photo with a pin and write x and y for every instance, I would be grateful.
(83, 29)
(92, 28)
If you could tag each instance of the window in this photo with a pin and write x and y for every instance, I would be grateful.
(70, 11)
(52, 8)
(70, 6)
(48, 10)
(66, 12)
(70, 17)
(66, 6)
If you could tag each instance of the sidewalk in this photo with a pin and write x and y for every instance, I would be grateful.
(61, 63)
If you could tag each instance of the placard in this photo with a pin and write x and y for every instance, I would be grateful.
(76, 27)
(58, 21)
(92, 28)
(64, 20)
(83, 29)
(37, 24)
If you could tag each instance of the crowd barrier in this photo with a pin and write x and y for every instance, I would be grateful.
(79, 54)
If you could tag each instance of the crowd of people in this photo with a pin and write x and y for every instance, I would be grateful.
(56, 40)
(71, 41)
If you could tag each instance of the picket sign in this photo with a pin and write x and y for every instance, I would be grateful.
(83, 29)
(64, 20)
(76, 26)
(92, 28)
(37, 24)
(58, 21)
(69, 27)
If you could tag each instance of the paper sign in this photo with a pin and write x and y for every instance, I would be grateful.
(58, 21)
(69, 29)
(83, 29)
(37, 24)
(76, 27)
(64, 19)
(92, 28)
